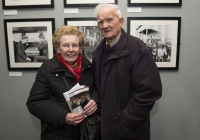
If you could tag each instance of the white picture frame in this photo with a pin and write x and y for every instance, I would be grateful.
(19, 4)
(86, 3)
(133, 3)
(16, 28)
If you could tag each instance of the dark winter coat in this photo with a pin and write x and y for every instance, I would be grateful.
(130, 85)
(46, 100)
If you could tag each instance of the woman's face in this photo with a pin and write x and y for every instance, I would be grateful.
(69, 48)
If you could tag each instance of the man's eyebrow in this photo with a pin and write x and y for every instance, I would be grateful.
(110, 16)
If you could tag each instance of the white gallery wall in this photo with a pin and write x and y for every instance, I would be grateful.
(176, 116)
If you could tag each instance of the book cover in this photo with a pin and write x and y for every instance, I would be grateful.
(74, 97)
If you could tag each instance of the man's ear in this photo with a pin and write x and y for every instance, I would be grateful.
(121, 20)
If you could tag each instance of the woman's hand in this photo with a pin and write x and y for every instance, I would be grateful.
(90, 108)
(74, 119)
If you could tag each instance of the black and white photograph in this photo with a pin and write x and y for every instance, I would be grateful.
(161, 36)
(86, 3)
(154, 3)
(28, 42)
(91, 32)
(20, 4)
(158, 39)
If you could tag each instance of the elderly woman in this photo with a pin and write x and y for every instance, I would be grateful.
(46, 100)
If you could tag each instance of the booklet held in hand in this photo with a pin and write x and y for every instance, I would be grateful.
(75, 96)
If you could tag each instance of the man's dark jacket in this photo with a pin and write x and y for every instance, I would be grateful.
(130, 84)
(43, 48)
(20, 52)
(46, 100)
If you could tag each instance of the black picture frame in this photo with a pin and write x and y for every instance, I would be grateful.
(15, 30)
(154, 3)
(24, 4)
(91, 31)
(82, 3)
(162, 37)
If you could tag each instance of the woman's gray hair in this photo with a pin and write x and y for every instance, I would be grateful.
(113, 6)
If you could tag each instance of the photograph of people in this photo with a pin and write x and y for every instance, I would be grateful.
(158, 39)
(33, 46)
(46, 100)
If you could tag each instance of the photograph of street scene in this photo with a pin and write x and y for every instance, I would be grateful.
(158, 39)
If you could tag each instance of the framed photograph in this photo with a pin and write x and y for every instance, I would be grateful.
(162, 37)
(86, 3)
(28, 42)
(18, 4)
(154, 3)
(91, 31)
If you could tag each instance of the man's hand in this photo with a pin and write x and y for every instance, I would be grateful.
(28, 59)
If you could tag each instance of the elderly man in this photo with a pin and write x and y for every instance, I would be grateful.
(127, 79)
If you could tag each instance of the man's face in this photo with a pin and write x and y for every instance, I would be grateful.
(41, 39)
(25, 40)
(109, 23)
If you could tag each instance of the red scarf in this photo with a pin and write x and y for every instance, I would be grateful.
(76, 70)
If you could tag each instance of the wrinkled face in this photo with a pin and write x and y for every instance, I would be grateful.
(69, 48)
(109, 23)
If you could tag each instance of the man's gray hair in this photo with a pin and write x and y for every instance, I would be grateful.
(113, 6)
